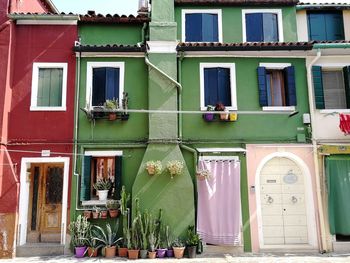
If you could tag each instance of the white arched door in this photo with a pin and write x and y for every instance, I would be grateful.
(283, 206)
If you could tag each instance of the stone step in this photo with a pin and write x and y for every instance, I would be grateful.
(39, 249)
(211, 250)
(341, 247)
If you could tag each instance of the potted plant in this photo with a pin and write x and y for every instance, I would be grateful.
(169, 241)
(203, 174)
(104, 213)
(192, 242)
(96, 212)
(144, 232)
(152, 245)
(111, 105)
(113, 208)
(179, 248)
(125, 102)
(79, 231)
(124, 199)
(87, 214)
(102, 187)
(93, 245)
(133, 240)
(108, 238)
(175, 167)
(221, 107)
(154, 167)
(209, 116)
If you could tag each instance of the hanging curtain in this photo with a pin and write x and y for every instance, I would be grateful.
(219, 203)
(338, 181)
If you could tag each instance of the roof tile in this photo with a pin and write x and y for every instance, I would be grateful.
(236, 2)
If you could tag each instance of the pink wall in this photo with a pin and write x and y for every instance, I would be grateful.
(255, 156)
(28, 6)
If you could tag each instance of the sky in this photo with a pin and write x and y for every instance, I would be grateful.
(124, 7)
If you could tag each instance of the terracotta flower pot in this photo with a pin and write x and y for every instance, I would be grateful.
(87, 214)
(113, 213)
(112, 116)
(133, 253)
(104, 214)
(122, 251)
(152, 254)
(92, 252)
(110, 252)
(95, 215)
(179, 252)
(151, 170)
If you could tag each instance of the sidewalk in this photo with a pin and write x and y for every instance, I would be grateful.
(219, 258)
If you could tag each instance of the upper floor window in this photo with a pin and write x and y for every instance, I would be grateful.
(201, 25)
(331, 87)
(49, 87)
(262, 25)
(276, 85)
(325, 25)
(105, 81)
(218, 85)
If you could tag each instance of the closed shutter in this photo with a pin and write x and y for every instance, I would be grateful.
(50, 87)
(193, 27)
(112, 83)
(334, 26)
(118, 175)
(291, 98)
(346, 74)
(209, 28)
(217, 86)
(98, 86)
(318, 87)
(224, 86)
(85, 183)
(270, 27)
(317, 26)
(262, 86)
(254, 27)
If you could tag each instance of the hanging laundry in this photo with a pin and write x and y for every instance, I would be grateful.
(344, 124)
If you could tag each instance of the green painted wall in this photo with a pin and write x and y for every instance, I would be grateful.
(102, 34)
(232, 22)
(248, 128)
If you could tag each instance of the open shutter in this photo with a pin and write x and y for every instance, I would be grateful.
(334, 26)
(118, 175)
(209, 28)
(262, 86)
(211, 95)
(85, 183)
(224, 87)
(291, 98)
(193, 27)
(254, 27)
(318, 87)
(346, 74)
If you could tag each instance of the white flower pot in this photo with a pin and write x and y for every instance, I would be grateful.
(102, 194)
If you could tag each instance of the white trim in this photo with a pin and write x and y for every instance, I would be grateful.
(310, 208)
(274, 11)
(278, 108)
(103, 153)
(24, 196)
(302, 24)
(220, 150)
(111, 54)
(275, 65)
(162, 46)
(332, 65)
(218, 12)
(91, 65)
(331, 111)
(232, 68)
(35, 81)
(46, 22)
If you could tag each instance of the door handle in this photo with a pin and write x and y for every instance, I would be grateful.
(269, 199)
(294, 200)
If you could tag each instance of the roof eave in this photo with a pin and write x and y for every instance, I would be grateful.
(15, 16)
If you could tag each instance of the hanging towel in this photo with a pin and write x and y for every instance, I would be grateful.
(344, 124)
(219, 203)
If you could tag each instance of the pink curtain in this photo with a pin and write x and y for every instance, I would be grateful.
(219, 203)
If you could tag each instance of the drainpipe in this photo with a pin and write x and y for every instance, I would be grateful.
(76, 115)
(323, 243)
(177, 84)
(179, 65)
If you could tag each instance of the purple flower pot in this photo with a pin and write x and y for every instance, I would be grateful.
(170, 253)
(208, 116)
(161, 252)
(80, 252)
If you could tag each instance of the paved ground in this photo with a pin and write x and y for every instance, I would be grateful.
(219, 258)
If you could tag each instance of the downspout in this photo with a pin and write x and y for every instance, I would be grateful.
(323, 244)
(177, 84)
(179, 65)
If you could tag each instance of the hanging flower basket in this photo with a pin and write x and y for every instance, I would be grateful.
(203, 174)
(175, 168)
(154, 167)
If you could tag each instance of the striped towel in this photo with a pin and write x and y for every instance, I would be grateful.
(344, 124)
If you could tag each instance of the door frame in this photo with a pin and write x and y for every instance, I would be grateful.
(310, 207)
(25, 191)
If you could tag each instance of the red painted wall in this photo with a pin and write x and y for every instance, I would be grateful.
(28, 6)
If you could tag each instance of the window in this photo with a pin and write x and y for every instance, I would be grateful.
(327, 25)
(331, 87)
(49, 87)
(105, 81)
(218, 84)
(276, 85)
(262, 25)
(100, 165)
(201, 25)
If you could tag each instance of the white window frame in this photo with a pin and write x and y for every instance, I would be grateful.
(35, 82)
(232, 68)
(277, 66)
(274, 11)
(89, 81)
(217, 12)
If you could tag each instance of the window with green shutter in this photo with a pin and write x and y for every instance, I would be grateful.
(325, 25)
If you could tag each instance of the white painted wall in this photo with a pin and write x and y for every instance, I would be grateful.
(302, 25)
(346, 17)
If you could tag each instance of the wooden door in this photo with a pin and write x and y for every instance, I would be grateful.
(46, 203)
(283, 209)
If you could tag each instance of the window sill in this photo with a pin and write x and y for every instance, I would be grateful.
(94, 202)
(273, 108)
(101, 113)
(331, 111)
(35, 108)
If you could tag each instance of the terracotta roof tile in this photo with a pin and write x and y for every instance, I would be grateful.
(110, 48)
(329, 6)
(236, 2)
(91, 17)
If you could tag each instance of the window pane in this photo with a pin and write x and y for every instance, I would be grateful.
(210, 28)
(254, 27)
(334, 90)
(103, 168)
(217, 86)
(50, 87)
(334, 26)
(270, 25)
(275, 88)
(201, 27)
(105, 85)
